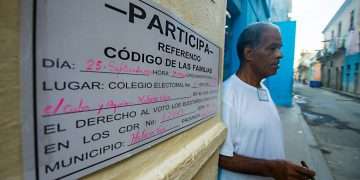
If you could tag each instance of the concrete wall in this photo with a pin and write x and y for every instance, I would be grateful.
(190, 155)
(332, 75)
(316, 71)
(10, 130)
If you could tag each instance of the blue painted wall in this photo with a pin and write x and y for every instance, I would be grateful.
(243, 12)
(280, 85)
(349, 74)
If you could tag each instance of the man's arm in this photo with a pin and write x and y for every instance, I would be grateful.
(278, 169)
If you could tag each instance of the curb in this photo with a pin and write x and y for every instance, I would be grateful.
(352, 95)
(301, 143)
(316, 157)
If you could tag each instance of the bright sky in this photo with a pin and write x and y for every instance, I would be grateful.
(311, 17)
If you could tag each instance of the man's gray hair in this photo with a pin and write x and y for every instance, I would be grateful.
(251, 36)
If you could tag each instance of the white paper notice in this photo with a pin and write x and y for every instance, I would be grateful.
(113, 78)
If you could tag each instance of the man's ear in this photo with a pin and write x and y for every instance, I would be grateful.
(248, 54)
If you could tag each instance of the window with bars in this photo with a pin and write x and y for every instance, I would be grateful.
(351, 25)
(339, 30)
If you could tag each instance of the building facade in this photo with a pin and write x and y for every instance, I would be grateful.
(332, 69)
(281, 10)
(340, 57)
(304, 68)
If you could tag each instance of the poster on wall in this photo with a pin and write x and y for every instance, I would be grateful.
(112, 78)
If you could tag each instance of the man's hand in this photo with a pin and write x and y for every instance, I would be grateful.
(278, 169)
(285, 170)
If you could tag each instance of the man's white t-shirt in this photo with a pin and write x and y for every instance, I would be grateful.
(254, 126)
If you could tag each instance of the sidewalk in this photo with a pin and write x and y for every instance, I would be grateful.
(357, 96)
(300, 143)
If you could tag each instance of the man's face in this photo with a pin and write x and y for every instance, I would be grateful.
(267, 55)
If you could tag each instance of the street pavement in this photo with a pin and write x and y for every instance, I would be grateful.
(331, 127)
(300, 144)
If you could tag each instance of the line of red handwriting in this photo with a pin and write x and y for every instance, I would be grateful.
(62, 106)
(167, 116)
(138, 136)
(98, 65)
(179, 74)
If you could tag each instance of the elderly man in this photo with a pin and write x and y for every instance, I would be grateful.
(254, 146)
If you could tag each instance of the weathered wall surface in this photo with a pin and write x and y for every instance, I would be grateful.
(10, 129)
(316, 72)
